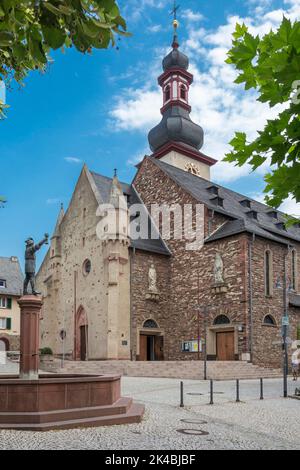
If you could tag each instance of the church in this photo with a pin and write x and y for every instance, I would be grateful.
(144, 288)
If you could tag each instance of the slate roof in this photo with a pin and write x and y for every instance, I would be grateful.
(264, 226)
(10, 271)
(156, 245)
(294, 300)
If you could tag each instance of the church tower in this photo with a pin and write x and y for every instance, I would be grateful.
(115, 242)
(177, 140)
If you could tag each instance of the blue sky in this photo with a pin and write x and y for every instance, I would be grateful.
(99, 108)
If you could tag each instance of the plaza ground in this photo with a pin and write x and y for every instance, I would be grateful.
(251, 424)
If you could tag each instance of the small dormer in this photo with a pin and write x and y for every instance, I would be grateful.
(217, 201)
(213, 190)
(252, 215)
(246, 203)
(281, 226)
(273, 215)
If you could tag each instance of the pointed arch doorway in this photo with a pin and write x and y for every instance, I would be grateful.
(81, 337)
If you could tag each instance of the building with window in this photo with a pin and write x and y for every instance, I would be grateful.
(11, 286)
(148, 297)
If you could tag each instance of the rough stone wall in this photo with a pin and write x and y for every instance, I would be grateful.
(190, 269)
(143, 309)
(155, 187)
(267, 338)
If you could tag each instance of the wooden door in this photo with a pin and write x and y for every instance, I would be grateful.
(159, 348)
(83, 342)
(225, 346)
(143, 348)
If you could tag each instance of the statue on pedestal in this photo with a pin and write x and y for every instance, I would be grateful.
(219, 269)
(153, 280)
(30, 263)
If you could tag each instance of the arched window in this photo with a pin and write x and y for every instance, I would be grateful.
(222, 320)
(294, 270)
(269, 320)
(167, 93)
(150, 324)
(268, 273)
(87, 267)
(183, 92)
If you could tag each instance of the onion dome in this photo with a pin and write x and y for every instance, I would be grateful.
(176, 124)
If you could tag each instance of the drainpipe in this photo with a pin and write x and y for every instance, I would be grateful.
(132, 259)
(75, 313)
(250, 273)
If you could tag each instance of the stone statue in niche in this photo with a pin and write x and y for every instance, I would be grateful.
(219, 269)
(153, 279)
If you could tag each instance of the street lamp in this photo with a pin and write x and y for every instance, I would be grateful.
(285, 329)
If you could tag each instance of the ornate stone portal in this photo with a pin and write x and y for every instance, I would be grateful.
(36, 402)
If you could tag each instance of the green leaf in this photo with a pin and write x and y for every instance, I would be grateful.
(54, 37)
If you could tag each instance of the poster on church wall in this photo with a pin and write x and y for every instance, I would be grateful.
(191, 346)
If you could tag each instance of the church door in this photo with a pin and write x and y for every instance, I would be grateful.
(159, 348)
(151, 348)
(225, 346)
(81, 337)
(83, 342)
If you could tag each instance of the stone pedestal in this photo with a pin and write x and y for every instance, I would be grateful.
(58, 401)
(30, 331)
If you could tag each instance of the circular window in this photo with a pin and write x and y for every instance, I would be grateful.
(87, 267)
(222, 320)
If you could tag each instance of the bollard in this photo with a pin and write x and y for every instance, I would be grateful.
(211, 392)
(181, 395)
(261, 389)
(238, 391)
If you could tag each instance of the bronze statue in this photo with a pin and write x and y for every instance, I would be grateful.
(30, 263)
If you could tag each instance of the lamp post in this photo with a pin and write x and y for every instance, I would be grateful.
(285, 327)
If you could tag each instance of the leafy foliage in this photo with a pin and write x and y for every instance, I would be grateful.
(271, 65)
(2, 201)
(30, 29)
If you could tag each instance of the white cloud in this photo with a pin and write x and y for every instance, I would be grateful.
(2, 92)
(154, 28)
(219, 105)
(291, 207)
(73, 160)
(192, 15)
(52, 201)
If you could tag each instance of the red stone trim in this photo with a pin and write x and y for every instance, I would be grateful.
(200, 157)
(176, 103)
(162, 78)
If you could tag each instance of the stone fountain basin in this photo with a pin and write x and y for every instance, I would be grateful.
(64, 401)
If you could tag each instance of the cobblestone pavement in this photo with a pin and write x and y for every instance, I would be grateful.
(9, 368)
(252, 424)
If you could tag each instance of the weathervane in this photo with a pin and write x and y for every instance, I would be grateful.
(175, 24)
(175, 10)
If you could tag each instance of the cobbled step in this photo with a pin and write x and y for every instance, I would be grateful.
(171, 369)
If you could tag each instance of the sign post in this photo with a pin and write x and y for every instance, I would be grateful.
(62, 335)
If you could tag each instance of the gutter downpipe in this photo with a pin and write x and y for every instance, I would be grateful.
(132, 259)
(250, 273)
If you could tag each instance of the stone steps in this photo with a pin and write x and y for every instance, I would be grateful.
(134, 414)
(172, 369)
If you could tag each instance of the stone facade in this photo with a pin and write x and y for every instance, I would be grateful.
(11, 337)
(85, 302)
(192, 284)
(119, 315)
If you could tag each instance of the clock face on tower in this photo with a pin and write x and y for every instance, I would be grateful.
(193, 168)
